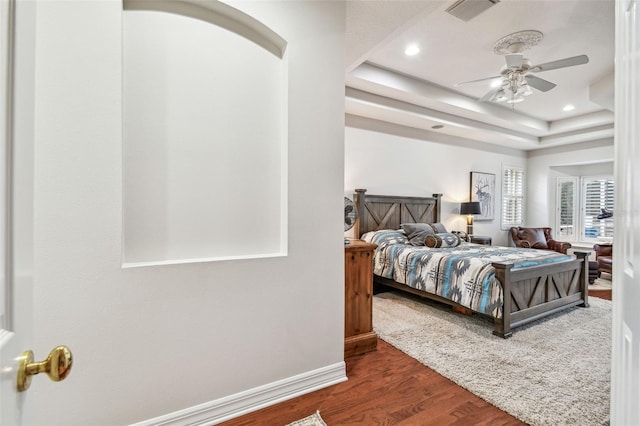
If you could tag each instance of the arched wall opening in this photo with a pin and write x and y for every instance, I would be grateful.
(204, 134)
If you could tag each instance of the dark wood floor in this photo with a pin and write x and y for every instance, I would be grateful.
(602, 294)
(387, 387)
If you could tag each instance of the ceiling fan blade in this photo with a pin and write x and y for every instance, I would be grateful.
(514, 60)
(539, 83)
(475, 81)
(489, 95)
(561, 63)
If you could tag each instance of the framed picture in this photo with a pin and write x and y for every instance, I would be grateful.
(483, 190)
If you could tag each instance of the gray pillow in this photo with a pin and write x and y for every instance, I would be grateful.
(416, 232)
(439, 228)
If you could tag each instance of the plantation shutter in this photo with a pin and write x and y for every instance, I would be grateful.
(566, 203)
(598, 207)
(512, 196)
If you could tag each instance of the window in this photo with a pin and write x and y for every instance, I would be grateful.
(512, 196)
(567, 203)
(597, 219)
(595, 206)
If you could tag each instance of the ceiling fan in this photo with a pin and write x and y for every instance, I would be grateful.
(517, 77)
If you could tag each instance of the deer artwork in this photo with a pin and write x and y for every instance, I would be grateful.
(483, 197)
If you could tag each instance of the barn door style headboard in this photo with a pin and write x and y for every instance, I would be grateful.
(376, 212)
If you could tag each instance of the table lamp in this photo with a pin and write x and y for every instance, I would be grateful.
(470, 208)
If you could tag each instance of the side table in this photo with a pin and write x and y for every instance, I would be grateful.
(479, 239)
(359, 336)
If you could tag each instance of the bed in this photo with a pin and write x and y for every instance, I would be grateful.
(514, 286)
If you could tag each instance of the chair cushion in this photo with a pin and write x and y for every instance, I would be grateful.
(605, 260)
(535, 236)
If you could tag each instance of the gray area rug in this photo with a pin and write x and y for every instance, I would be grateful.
(555, 371)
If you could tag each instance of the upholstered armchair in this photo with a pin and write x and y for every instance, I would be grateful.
(604, 257)
(537, 238)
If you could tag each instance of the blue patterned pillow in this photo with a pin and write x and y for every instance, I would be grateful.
(385, 237)
(442, 240)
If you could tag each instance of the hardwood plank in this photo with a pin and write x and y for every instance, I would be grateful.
(385, 387)
(602, 294)
(388, 387)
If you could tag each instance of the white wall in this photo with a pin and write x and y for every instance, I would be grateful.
(388, 160)
(151, 341)
(392, 161)
(544, 166)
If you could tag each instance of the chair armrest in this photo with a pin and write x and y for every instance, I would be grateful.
(603, 250)
(559, 246)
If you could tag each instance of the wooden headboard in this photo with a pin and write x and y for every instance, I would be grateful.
(377, 212)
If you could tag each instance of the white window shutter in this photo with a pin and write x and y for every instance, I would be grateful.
(567, 204)
(597, 219)
(512, 196)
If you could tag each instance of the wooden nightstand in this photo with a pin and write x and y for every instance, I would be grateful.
(479, 239)
(359, 336)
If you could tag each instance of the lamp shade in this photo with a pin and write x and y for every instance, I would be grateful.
(472, 207)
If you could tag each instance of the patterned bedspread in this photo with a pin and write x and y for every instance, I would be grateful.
(463, 274)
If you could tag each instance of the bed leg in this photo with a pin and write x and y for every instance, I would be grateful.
(584, 277)
(500, 333)
(502, 326)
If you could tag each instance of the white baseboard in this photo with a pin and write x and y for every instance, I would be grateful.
(229, 407)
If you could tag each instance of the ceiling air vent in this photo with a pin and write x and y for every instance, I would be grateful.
(469, 9)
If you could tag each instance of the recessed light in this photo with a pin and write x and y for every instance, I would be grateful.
(412, 50)
(569, 107)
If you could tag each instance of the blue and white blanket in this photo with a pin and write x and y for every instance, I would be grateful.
(463, 274)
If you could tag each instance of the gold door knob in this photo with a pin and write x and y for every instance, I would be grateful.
(57, 366)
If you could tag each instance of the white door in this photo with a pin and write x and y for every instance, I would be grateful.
(15, 212)
(625, 371)
(16, 209)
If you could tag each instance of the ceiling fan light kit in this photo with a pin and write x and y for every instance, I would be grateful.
(517, 79)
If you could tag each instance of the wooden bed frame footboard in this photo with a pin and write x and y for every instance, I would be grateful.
(529, 293)
(535, 292)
